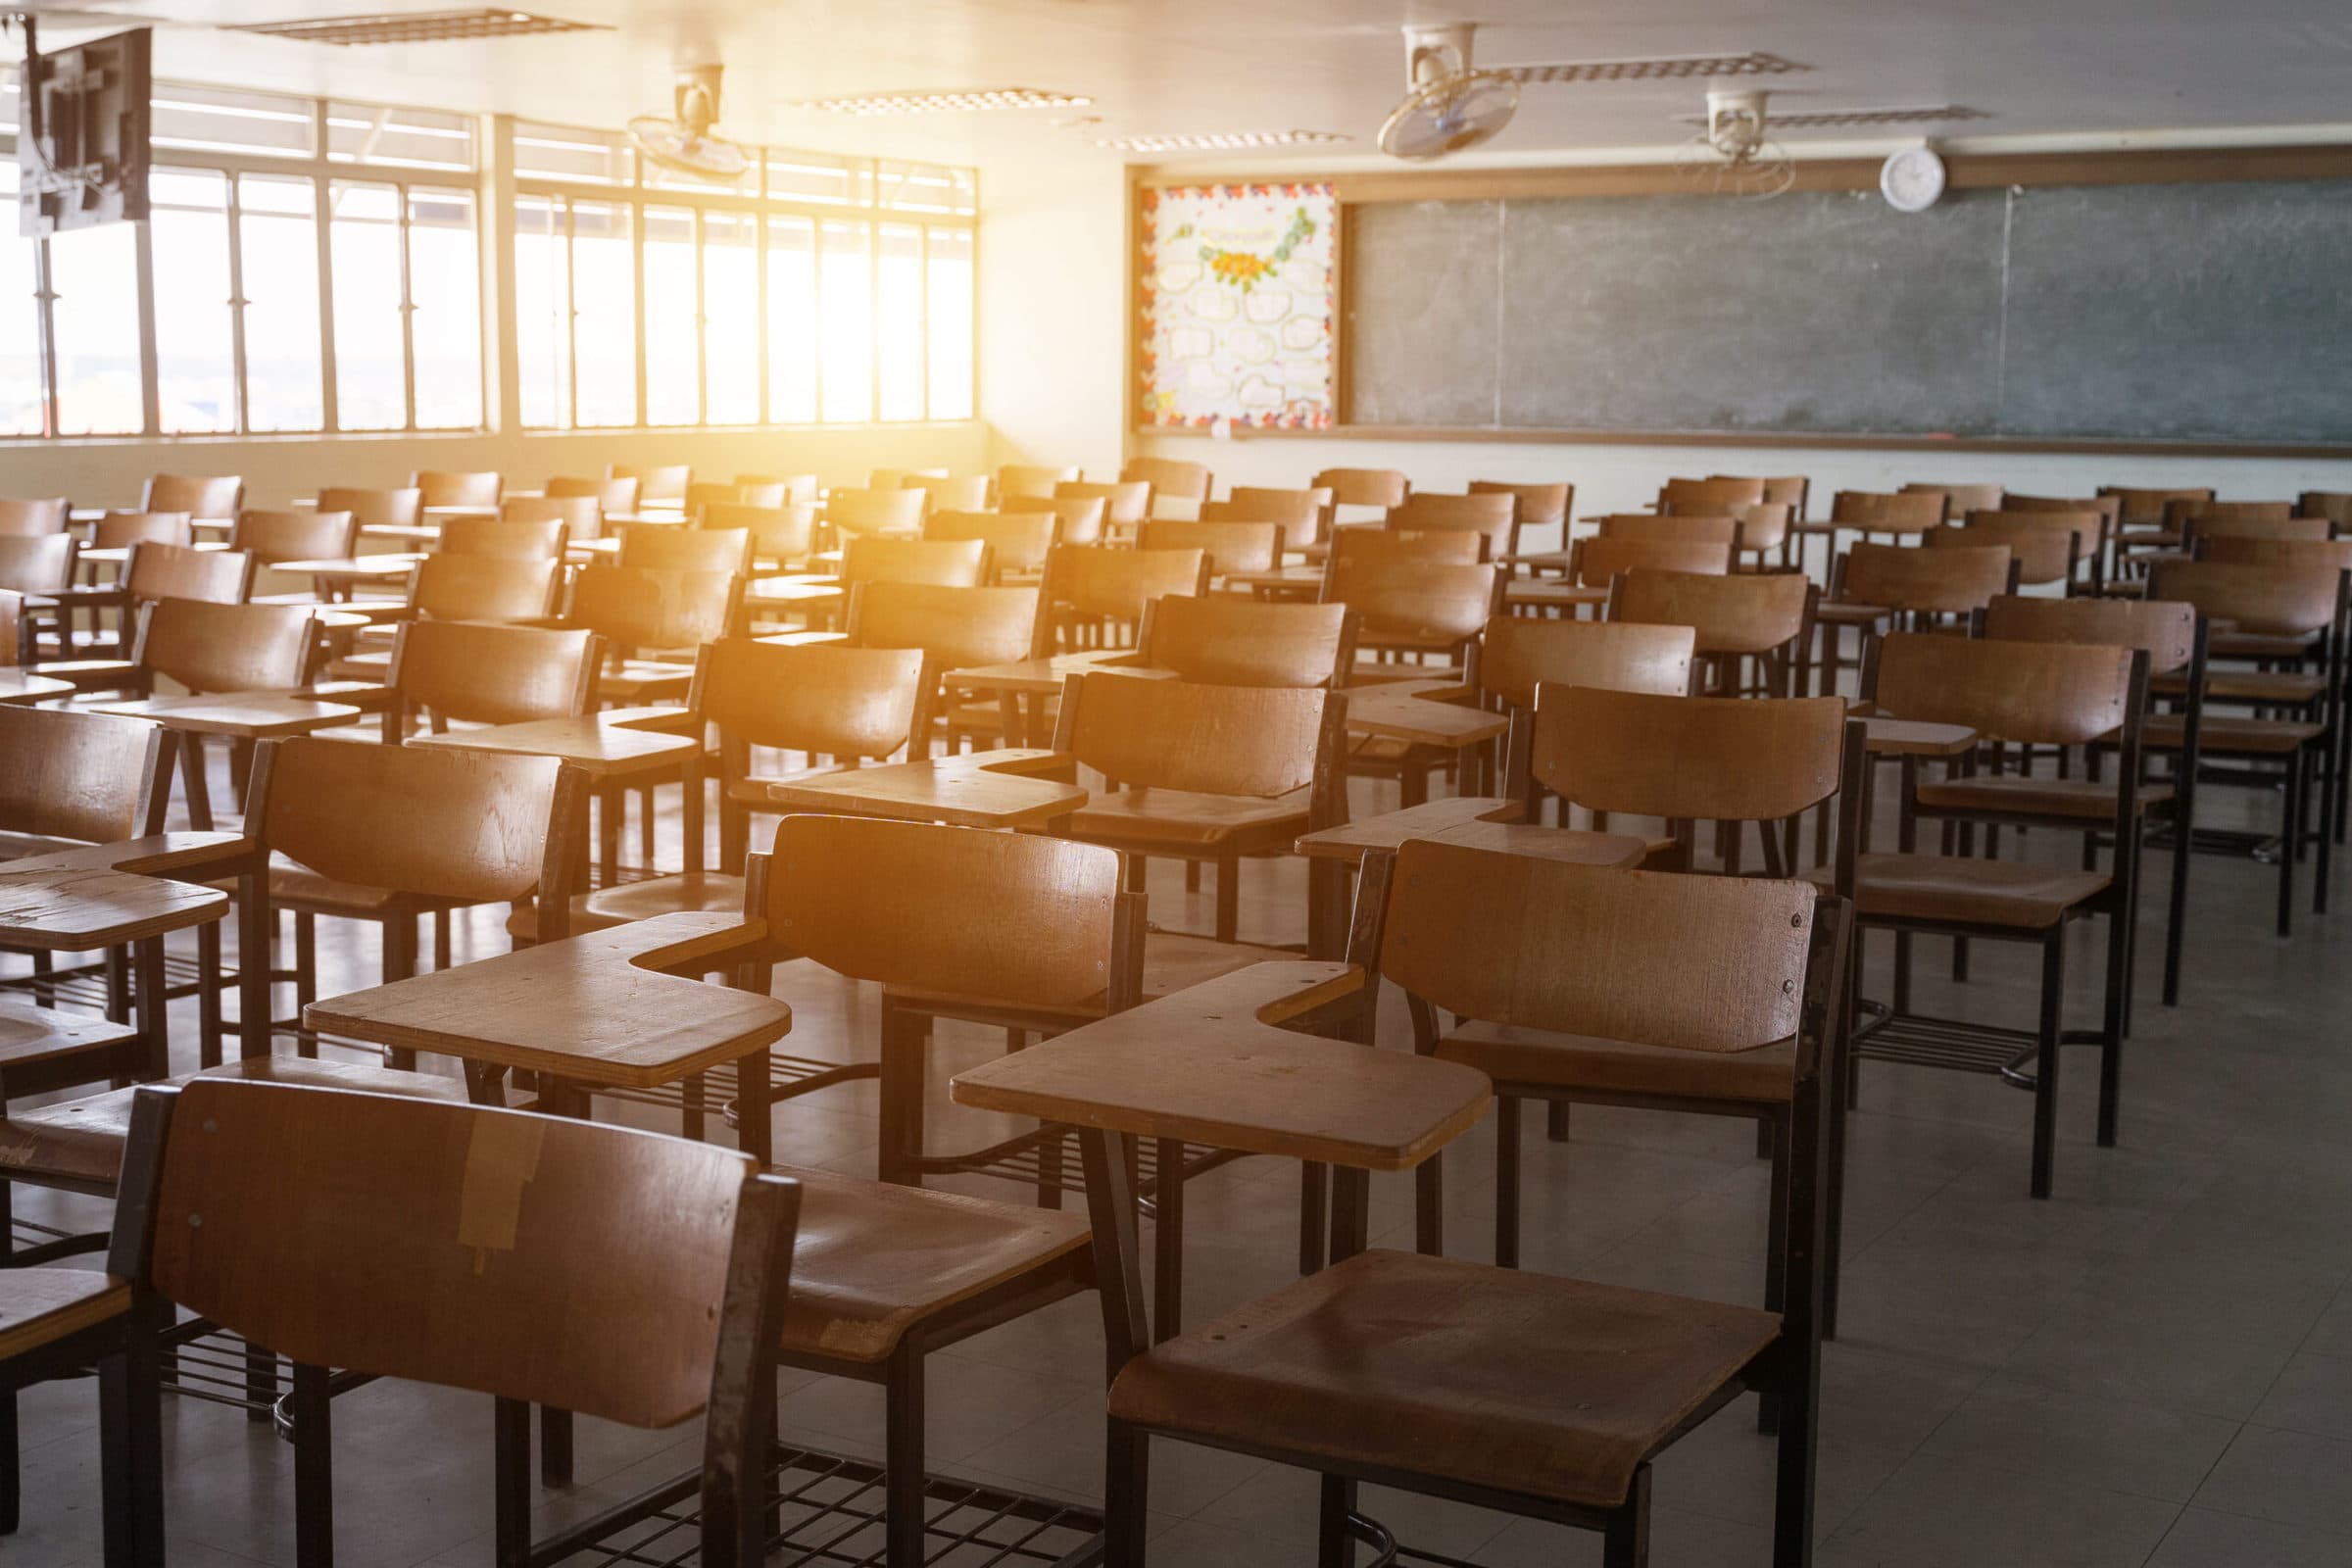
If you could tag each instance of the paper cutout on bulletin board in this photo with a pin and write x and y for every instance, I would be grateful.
(1238, 293)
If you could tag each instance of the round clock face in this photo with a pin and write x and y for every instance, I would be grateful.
(1911, 181)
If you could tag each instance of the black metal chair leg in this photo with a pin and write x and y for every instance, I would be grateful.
(1126, 1485)
(1314, 1182)
(314, 1470)
(903, 1478)
(1506, 1182)
(1625, 1536)
(1555, 1120)
(2045, 1055)
(510, 1480)
(1429, 1207)
(1335, 1540)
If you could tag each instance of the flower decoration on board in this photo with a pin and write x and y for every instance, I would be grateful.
(1237, 291)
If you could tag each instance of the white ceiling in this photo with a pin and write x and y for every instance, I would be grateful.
(2066, 66)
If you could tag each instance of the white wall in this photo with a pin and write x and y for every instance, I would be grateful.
(1053, 313)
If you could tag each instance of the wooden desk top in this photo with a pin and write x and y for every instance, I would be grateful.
(1907, 737)
(1047, 676)
(595, 1008)
(1015, 787)
(603, 751)
(1208, 1065)
(241, 715)
(23, 686)
(1484, 822)
(388, 564)
(77, 901)
(1419, 711)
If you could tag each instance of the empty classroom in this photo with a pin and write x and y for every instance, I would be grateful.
(945, 785)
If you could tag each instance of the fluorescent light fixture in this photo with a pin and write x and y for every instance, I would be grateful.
(1221, 141)
(418, 26)
(1666, 68)
(943, 103)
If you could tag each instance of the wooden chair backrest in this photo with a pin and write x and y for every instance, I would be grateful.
(613, 493)
(582, 517)
(1540, 504)
(943, 563)
(785, 531)
(2041, 555)
(1789, 490)
(875, 512)
(2270, 601)
(179, 571)
(1018, 541)
(2197, 511)
(1491, 515)
(215, 497)
(2033, 694)
(2084, 527)
(12, 627)
(658, 484)
(1128, 501)
(1877, 511)
(2336, 553)
(474, 827)
(1036, 482)
(1081, 516)
(1749, 612)
(1254, 741)
(226, 647)
(2108, 507)
(1764, 525)
(469, 587)
(958, 493)
(1102, 581)
(461, 1244)
(2266, 524)
(118, 529)
(1708, 498)
(778, 489)
(92, 778)
(299, 534)
(402, 508)
(36, 563)
(2166, 632)
(19, 519)
(668, 546)
(1019, 919)
(1225, 640)
(1168, 476)
(1595, 563)
(2333, 505)
(1947, 581)
(956, 628)
(1959, 499)
(1669, 526)
(504, 538)
(1521, 653)
(474, 489)
(1690, 962)
(810, 697)
(1698, 759)
(2137, 508)
(1229, 547)
(482, 674)
(1359, 546)
(1302, 514)
(637, 606)
(1364, 487)
(1414, 604)
(708, 492)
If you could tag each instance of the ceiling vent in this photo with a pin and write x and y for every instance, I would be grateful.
(953, 102)
(1222, 142)
(1669, 68)
(418, 26)
(1849, 118)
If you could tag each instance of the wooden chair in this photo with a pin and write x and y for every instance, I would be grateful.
(1542, 1396)
(640, 610)
(23, 518)
(401, 508)
(2300, 607)
(2042, 554)
(701, 494)
(1679, 526)
(943, 564)
(1018, 541)
(36, 563)
(953, 628)
(1763, 617)
(2108, 508)
(219, 497)
(2333, 505)
(1205, 773)
(660, 486)
(1095, 591)
(1708, 498)
(466, 586)
(2021, 694)
(1305, 515)
(60, 1323)
(1380, 488)
(1596, 563)
(473, 489)
(1518, 655)
(119, 530)
(582, 517)
(300, 534)
(2183, 509)
(1226, 547)
(1187, 484)
(2172, 636)
(783, 536)
(2084, 533)
(1766, 528)
(1081, 516)
(1036, 482)
(968, 493)
(392, 1266)
(1218, 639)
(852, 513)
(206, 647)
(2139, 518)
(1125, 504)
(1540, 506)
(1372, 546)
(666, 547)
(504, 538)
(1959, 499)
(2199, 528)
(1874, 586)
(1902, 515)
(1408, 609)
(1495, 517)
(464, 672)
(614, 493)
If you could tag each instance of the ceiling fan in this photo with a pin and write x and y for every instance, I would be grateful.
(683, 140)
(1448, 104)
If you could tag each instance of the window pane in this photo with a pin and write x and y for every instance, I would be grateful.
(410, 138)
(565, 152)
(672, 368)
(364, 233)
(94, 272)
(791, 321)
(846, 277)
(898, 322)
(278, 240)
(196, 383)
(948, 320)
(223, 120)
(541, 314)
(731, 316)
(445, 285)
(814, 177)
(21, 391)
(603, 282)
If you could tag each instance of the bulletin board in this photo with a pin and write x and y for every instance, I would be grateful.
(1238, 290)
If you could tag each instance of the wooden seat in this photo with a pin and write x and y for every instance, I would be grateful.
(1946, 890)
(61, 1323)
(34, 1037)
(1508, 1052)
(2017, 795)
(1159, 821)
(39, 1307)
(2227, 735)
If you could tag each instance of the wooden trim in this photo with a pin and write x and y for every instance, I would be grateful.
(1802, 441)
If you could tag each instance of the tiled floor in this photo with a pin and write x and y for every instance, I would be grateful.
(2153, 1367)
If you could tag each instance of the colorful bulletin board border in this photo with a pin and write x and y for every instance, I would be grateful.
(1239, 294)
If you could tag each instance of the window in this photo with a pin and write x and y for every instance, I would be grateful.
(92, 272)
(278, 259)
(445, 308)
(899, 322)
(948, 327)
(791, 321)
(674, 368)
(370, 374)
(195, 323)
(604, 314)
(543, 311)
(846, 319)
(732, 318)
(23, 397)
